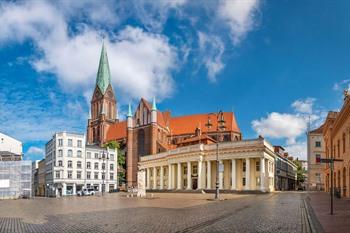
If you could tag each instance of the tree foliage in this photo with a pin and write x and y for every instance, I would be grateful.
(121, 158)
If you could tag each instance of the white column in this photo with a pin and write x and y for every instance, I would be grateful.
(208, 174)
(74, 189)
(204, 175)
(199, 170)
(247, 174)
(154, 178)
(161, 177)
(148, 178)
(221, 176)
(169, 176)
(262, 174)
(233, 174)
(64, 189)
(179, 179)
(189, 178)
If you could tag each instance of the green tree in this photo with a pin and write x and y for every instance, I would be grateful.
(121, 158)
(300, 172)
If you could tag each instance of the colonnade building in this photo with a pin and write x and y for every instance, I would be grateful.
(243, 165)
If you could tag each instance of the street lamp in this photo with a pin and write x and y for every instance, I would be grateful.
(220, 126)
(104, 157)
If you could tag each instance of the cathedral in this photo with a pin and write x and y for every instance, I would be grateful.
(147, 130)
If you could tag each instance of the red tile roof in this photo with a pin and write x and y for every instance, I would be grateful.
(188, 124)
(117, 131)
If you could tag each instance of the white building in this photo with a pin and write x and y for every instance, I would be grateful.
(246, 165)
(72, 165)
(10, 147)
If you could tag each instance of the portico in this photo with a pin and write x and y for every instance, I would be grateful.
(247, 166)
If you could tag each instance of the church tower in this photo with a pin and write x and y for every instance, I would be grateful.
(103, 104)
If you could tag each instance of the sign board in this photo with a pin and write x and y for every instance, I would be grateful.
(141, 183)
(221, 168)
(5, 183)
(330, 160)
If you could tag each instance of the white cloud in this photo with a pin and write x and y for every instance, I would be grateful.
(281, 125)
(211, 48)
(298, 149)
(239, 15)
(304, 105)
(33, 150)
(140, 62)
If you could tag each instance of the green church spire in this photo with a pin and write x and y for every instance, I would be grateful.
(103, 78)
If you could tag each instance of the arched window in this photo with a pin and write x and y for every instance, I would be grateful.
(344, 181)
(110, 110)
(141, 142)
(79, 164)
(343, 142)
(70, 165)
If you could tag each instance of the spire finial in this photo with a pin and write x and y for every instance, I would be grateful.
(154, 105)
(129, 111)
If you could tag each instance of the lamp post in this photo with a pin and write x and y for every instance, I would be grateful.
(104, 157)
(220, 126)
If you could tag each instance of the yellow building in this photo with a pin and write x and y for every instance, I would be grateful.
(41, 179)
(337, 141)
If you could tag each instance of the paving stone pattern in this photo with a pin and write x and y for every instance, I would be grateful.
(254, 213)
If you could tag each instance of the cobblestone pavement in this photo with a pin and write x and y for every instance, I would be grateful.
(280, 212)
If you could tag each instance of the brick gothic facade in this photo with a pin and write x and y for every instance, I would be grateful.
(148, 131)
(103, 105)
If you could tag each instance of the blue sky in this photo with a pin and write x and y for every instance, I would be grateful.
(273, 62)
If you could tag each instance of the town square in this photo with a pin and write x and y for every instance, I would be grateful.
(174, 116)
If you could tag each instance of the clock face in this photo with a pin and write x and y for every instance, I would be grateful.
(110, 94)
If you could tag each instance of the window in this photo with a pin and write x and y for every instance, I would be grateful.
(60, 142)
(257, 166)
(343, 142)
(96, 155)
(318, 158)
(88, 175)
(195, 169)
(103, 175)
(96, 175)
(111, 157)
(70, 142)
(70, 164)
(57, 174)
(79, 143)
(103, 166)
(70, 174)
(79, 153)
(60, 153)
(96, 166)
(244, 166)
(185, 170)
(317, 144)
(88, 165)
(70, 153)
(243, 181)
(78, 174)
(111, 167)
(88, 155)
(60, 164)
(79, 164)
(111, 176)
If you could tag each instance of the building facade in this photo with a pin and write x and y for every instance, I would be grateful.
(15, 179)
(72, 165)
(246, 165)
(286, 170)
(41, 189)
(336, 134)
(10, 148)
(316, 151)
